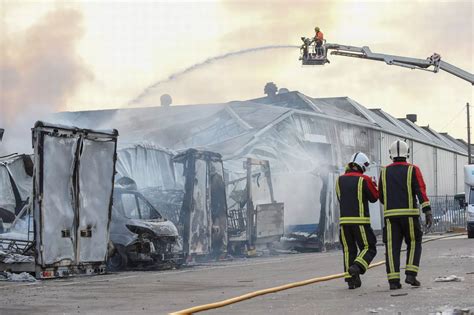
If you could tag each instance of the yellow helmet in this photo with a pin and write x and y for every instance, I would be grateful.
(316, 28)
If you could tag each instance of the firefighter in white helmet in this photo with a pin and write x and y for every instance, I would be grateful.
(354, 191)
(401, 184)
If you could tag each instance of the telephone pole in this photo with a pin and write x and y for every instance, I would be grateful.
(468, 135)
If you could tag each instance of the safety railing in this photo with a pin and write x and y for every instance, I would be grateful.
(448, 212)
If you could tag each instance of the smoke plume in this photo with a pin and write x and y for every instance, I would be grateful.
(208, 61)
(39, 71)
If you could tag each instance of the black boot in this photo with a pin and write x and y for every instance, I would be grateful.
(351, 284)
(411, 279)
(357, 281)
(395, 285)
(354, 270)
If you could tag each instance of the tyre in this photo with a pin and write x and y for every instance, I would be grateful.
(470, 234)
(118, 260)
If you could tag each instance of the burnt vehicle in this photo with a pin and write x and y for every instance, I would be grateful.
(256, 220)
(155, 175)
(16, 171)
(141, 236)
(203, 214)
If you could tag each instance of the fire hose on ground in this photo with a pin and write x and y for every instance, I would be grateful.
(206, 307)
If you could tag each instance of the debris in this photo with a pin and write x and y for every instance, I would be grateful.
(373, 311)
(16, 258)
(399, 294)
(17, 277)
(451, 278)
(453, 311)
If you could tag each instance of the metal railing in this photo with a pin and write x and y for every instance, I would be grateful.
(448, 213)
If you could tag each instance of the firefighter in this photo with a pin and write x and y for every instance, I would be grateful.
(318, 38)
(354, 191)
(399, 183)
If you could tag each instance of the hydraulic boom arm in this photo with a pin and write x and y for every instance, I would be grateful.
(433, 63)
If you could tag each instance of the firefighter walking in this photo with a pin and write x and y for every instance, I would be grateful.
(399, 183)
(354, 191)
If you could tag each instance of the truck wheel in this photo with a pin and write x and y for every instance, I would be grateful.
(118, 260)
(470, 234)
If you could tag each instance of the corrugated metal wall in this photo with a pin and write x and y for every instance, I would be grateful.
(445, 173)
(386, 141)
(423, 156)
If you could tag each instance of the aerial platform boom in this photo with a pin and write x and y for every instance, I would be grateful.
(432, 63)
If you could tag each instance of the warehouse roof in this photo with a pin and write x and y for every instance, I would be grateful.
(230, 126)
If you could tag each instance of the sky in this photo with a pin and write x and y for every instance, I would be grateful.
(81, 55)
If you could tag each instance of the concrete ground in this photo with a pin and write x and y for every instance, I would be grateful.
(166, 291)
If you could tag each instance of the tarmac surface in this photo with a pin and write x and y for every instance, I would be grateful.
(161, 292)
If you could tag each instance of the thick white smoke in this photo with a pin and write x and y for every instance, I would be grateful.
(39, 71)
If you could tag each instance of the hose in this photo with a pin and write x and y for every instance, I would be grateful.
(206, 307)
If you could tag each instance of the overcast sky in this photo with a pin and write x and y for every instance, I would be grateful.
(66, 55)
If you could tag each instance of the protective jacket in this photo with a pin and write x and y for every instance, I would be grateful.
(319, 36)
(354, 191)
(399, 183)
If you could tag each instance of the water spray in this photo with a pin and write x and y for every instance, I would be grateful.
(204, 63)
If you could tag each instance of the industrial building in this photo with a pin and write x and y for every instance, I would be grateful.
(307, 141)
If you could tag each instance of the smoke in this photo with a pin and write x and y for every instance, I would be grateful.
(39, 72)
(204, 63)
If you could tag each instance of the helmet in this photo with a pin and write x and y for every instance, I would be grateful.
(316, 28)
(399, 149)
(361, 160)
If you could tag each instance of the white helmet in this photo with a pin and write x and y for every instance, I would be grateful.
(361, 160)
(399, 149)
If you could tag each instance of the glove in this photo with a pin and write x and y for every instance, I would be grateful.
(428, 219)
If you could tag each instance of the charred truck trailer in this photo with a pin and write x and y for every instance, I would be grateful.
(255, 218)
(71, 202)
(203, 215)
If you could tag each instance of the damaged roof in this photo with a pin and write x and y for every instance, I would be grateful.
(234, 125)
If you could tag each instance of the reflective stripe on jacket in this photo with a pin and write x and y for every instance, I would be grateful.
(399, 183)
(354, 191)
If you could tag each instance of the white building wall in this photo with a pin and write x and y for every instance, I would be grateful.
(423, 156)
(446, 171)
(386, 141)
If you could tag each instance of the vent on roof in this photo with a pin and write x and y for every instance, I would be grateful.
(166, 100)
(412, 118)
(270, 89)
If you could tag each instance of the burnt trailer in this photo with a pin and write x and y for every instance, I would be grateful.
(70, 206)
(256, 219)
(203, 215)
